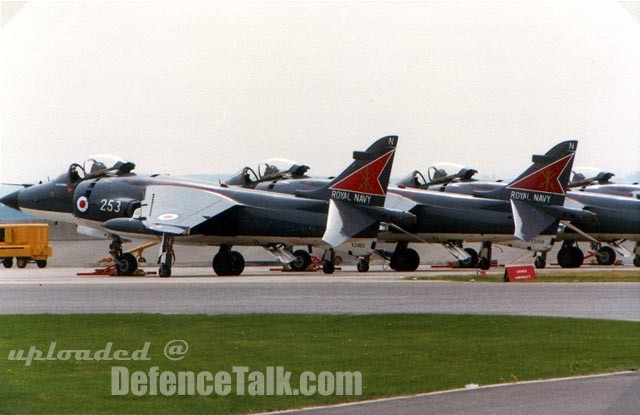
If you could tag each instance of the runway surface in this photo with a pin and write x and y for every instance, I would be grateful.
(258, 290)
(59, 290)
(601, 395)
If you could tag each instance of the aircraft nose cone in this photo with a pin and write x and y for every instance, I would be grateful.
(11, 200)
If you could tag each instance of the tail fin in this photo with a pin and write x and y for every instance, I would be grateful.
(537, 195)
(547, 179)
(365, 181)
(544, 182)
(357, 195)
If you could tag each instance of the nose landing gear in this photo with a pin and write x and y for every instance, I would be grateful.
(126, 263)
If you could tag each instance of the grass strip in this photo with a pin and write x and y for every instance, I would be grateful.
(396, 353)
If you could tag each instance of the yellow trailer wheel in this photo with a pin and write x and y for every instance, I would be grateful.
(7, 262)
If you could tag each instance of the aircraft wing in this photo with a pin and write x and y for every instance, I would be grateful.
(173, 210)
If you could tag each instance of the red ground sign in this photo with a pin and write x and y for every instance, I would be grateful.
(519, 273)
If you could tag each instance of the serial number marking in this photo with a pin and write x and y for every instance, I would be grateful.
(110, 205)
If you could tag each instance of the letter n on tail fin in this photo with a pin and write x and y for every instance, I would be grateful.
(365, 181)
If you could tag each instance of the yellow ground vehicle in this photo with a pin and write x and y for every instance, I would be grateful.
(25, 242)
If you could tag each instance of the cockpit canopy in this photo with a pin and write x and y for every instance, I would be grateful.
(269, 170)
(584, 176)
(439, 174)
(100, 165)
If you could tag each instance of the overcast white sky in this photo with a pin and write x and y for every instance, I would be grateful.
(209, 87)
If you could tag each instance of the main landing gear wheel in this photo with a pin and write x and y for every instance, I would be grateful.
(126, 264)
(570, 256)
(470, 262)
(302, 261)
(605, 256)
(7, 262)
(405, 259)
(363, 264)
(228, 263)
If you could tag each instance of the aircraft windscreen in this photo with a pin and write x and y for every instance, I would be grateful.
(444, 168)
(587, 172)
(276, 166)
(244, 177)
(438, 171)
(102, 163)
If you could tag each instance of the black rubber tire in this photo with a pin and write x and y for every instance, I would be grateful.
(564, 258)
(41, 263)
(126, 264)
(221, 264)
(237, 263)
(21, 262)
(472, 261)
(328, 267)
(577, 257)
(636, 260)
(484, 263)
(302, 261)
(605, 256)
(7, 262)
(539, 262)
(164, 271)
(406, 260)
(363, 265)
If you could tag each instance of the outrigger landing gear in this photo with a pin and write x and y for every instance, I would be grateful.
(604, 255)
(167, 256)
(363, 264)
(126, 264)
(404, 258)
(227, 262)
(541, 260)
(302, 261)
(329, 261)
(485, 256)
(570, 255)
(470, 262)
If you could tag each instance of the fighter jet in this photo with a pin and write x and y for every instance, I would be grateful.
(599, 181)
(106, 197)
(525, 214)
(610, 218)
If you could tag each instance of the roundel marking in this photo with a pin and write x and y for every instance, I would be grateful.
(82, 204)
(168, 216)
